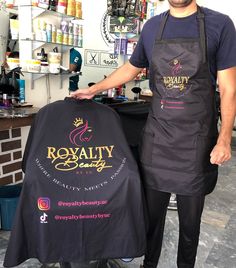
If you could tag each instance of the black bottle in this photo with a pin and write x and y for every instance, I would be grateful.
(15, 88)
(4, 87)
(4, 79)
(53, 5)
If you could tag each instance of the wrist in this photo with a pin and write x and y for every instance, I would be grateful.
(224, 141)
(95, 89)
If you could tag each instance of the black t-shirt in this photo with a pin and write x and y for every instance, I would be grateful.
(220, 31)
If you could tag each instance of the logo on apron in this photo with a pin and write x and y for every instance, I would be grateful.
(175, 84)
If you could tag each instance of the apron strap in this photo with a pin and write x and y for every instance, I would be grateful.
(162, 26)
(201, 19)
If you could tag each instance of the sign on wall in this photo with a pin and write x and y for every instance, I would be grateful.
(100, 58)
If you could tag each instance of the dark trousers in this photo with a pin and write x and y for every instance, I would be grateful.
(189, 212)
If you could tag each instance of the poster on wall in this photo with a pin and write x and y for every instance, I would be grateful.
(124, 25)
(100, 58)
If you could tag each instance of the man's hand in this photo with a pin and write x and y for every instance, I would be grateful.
(85, 93)
(220, 153)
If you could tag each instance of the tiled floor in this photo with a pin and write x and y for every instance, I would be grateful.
(217, 247)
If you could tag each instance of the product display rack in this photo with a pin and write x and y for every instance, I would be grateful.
(26, 40)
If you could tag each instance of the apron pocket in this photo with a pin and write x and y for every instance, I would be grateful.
(204, 148)
(146, 148)
(174, 158)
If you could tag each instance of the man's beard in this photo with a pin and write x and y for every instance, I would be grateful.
(180, 3)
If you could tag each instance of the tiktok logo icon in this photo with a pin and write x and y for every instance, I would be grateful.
(43, 218)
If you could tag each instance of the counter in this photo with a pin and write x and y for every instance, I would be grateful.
(12, 140)
(16, 117)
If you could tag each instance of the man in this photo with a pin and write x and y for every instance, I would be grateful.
(75, 66)
(186, 49)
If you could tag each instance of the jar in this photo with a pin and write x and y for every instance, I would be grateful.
(61, 6)
(78, 9)
(33, 66)
(13, 63)
(71, 8)
(44, 67)
(43, 4)
(35, 3)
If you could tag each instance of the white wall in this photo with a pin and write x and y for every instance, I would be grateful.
(226, 7)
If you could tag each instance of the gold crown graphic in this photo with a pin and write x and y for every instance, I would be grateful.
(78, 122)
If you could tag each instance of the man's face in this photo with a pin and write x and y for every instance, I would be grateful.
(180, 3)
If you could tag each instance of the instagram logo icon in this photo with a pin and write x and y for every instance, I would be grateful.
(43, 203)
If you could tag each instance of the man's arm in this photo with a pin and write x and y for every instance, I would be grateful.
(227, 87)
(122, 75)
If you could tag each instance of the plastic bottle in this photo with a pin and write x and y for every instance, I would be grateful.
(4, 80)
(44, 35)
(21, 90)
(65, 38)
(54, 34)
(75, 41)
(70, 28)
(49, 32)
(59, 36)
(71, 39)
(15, 93)
(80, 36)
(5, 100)
(80, 41)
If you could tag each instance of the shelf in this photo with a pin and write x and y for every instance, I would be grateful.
(37, 11)
(41, 43)
(13, 10)
(62, 73)
(35, 76)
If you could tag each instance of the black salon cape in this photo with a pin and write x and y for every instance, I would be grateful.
(81, 198)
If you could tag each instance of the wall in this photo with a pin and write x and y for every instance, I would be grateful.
(10, 156)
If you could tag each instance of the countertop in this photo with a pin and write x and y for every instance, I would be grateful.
(16, 117)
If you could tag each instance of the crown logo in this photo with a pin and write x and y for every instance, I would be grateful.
(78, 122)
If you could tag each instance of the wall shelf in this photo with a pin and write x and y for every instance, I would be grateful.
(35, 76)
(38, 43)
(37, 11)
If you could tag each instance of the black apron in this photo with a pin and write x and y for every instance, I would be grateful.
(81, 197)
(181, 129)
